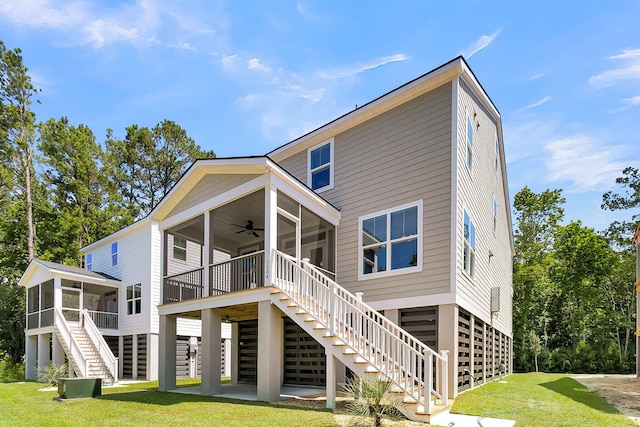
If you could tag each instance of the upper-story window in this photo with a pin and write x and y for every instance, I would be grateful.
(114, 253)
(179, 248)
(320, 162)
(469, 144)
(469, 251)
(134, 299)
(495, 215)
(391, 241)
(88, 261)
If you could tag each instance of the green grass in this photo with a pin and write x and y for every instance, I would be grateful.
(540, 399)
(21, 404)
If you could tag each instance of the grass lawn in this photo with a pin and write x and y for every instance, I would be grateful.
(21, 404)
(540, 399)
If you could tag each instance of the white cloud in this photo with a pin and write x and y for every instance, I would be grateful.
(537, 103)
(257, 65)
(634, 100)
(628, 69)
(42, 14)
(584, 161)
(482, 43)
(346, 72)
(229, 61)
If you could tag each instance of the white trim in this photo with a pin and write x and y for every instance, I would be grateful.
(454, 188)
(419, 235)
(410, 302)
(330, 165)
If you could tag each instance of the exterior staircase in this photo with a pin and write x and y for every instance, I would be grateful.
(87, 352)
(362, 339)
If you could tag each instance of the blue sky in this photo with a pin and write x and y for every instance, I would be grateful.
(244, 77)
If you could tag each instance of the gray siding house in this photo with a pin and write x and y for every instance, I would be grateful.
(378, 245)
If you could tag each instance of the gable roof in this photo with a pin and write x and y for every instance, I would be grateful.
(56, 268)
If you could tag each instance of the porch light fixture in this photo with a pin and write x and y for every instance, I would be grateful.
(226, 319)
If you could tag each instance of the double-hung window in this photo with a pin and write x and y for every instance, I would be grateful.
(88, 261)
(469, 144)
(495, 215)
(179, 248)
(469, 250)
(320, 170)
(134, 299)
(390, 241)
(114, 254)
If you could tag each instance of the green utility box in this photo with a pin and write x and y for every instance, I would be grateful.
(73, 388)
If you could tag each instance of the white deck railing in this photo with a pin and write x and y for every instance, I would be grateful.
(110, 361)
(104, 319)
(237, 274)
(397, 355)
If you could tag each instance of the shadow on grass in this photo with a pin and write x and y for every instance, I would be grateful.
(155, 397)
(579, 393)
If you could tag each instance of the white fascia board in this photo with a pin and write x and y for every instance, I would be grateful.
(216, 301)
(410, 302)
(117, 235)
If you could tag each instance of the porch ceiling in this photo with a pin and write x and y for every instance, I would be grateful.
(231, 313)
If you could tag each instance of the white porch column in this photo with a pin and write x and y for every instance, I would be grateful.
(270, 335)
(43, 350)
(134, 357)
(152, 357)
(448, 340)
(270, 229)
(234, 352)
(330, 368)
(207, 258)
(57, 351)
(31, 352)
(211, 354)
(167, 353)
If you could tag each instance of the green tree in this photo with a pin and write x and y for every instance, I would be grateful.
(148, 162)
(17, 129)
(87, 205)
(628, 197)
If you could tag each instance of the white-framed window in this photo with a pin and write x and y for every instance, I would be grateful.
(88, 261)
(390, 241)
(114, 253)
(134, 299)
(495, 215)
(469, 250)
(179, 248)
(320, 166)
(469, 144)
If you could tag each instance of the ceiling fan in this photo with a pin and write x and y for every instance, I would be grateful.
(249, 228)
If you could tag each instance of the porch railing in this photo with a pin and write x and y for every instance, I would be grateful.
(237, 274)
(104, 319)
(396, 354)
(183, 286)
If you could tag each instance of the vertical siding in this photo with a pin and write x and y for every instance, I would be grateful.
(475, 194)
(399, 157)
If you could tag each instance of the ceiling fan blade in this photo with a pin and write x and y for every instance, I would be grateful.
(241, 226)
(256, 234)
(259, 229)
(241, 231)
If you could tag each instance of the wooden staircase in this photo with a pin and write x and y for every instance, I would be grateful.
(85, 358)
(362, 339)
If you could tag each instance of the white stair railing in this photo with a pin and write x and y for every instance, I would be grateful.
(110, 361)
(397, 355)
(66, 336)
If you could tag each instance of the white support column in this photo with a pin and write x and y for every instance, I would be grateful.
(270, 335)
(167, 353)
(234, 354)
(211, 355)
(43, 350)
(31, 357)
(152, 357)
(120, 357)
(393, 314)
(57, 351)
(330, 368)
(206, 259)
(448, 340)
(270, 229)
(134, 357)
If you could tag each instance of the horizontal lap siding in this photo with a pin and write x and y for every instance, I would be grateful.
(208, 187)
(475, 194)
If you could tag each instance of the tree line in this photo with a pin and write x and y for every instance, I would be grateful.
(61, 189)
(574, 303)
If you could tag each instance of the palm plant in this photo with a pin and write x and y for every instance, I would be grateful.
(51, 374)
(371, 398)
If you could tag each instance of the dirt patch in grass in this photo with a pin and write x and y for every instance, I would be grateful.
(620, 391)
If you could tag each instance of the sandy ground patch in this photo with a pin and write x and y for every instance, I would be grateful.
(621, 391)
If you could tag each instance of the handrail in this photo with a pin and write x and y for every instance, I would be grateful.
(104, 319)
(398, 356)
(67, 336)
(237, 274)
(100, 344)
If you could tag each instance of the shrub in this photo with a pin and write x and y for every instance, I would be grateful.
(9, 370)
(371, 399)
(51, 374)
